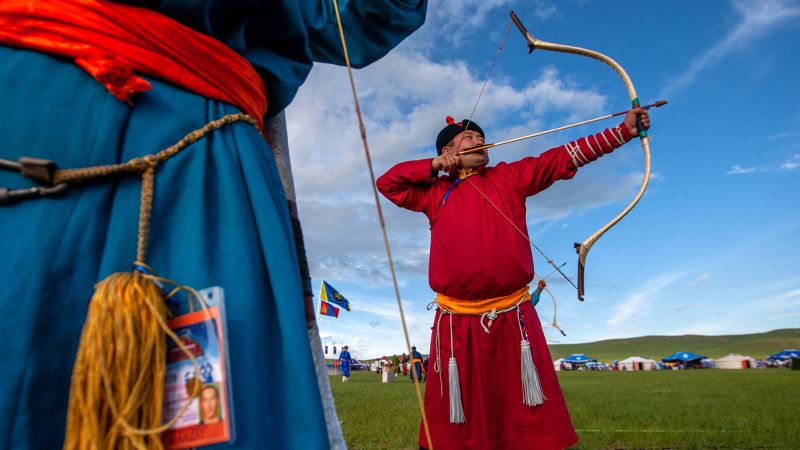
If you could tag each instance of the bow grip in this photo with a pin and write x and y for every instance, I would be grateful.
(639, 126)
(581, 269)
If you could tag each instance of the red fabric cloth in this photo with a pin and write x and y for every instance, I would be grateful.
(497, 260)
(491, 388)
(476, 254)
(111, 41)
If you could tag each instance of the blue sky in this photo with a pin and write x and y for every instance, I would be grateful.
(710, 249)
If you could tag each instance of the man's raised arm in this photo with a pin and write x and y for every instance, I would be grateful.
(407, 184)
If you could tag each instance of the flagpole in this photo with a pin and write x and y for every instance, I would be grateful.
(319, 303)
(316, 314)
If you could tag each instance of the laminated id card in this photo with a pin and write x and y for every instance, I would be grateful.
(207, 418)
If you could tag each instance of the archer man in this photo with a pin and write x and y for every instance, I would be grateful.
(492, 384)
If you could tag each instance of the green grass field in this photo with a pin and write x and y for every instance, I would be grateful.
(682, 409)
(757, 345)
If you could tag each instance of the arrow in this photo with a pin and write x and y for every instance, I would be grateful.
(540, 133)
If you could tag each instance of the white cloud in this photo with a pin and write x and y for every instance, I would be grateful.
(786, 301)
(757, 19)
(698, 279)
(639, 303)
(453, 20)
(789, 164)
(404, 109)
(782, 284)
(781, 136)
(581, 194)
(774, 305)
(736, 169)
(544, 9)
(385, 310)
(326, 337)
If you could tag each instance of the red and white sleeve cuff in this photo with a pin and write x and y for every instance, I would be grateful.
(589, 148)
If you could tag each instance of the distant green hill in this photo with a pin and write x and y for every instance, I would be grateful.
(756, 345)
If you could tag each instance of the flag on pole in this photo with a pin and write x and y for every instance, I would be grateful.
(328, 310)
(331, 295)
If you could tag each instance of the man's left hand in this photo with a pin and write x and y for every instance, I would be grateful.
(630, 120)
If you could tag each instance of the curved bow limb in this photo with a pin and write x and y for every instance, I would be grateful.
(583, 248)
(554, 322)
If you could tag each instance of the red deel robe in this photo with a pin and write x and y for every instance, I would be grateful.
(477, 254)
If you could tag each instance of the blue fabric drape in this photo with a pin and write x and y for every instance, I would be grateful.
(219, 216)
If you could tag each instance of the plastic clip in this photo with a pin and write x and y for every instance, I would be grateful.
(40, 170)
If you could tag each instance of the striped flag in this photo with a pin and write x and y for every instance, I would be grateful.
(331, 295)
(328, 310)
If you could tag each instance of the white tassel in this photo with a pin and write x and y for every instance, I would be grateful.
(456, 410)
(532, 394)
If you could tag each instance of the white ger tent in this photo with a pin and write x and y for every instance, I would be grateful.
(734, 361)
(637, 363)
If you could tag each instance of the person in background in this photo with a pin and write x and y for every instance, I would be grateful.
(416, 364)
(344, 362)
(396, 364)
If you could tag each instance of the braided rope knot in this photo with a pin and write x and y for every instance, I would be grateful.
(150, 161)
(491, 315)
(137, 165)
(146, 167)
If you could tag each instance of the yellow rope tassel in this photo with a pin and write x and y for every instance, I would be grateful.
(116, 395)
(118, 377)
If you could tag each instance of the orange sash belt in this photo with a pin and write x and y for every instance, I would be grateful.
(111, 41)
(477, 307)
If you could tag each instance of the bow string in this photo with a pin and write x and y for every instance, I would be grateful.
(381, 220)
(582, 248)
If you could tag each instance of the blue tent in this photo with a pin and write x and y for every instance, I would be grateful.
(683, 356)
(358, 365)
(578, 358)
(786, 354)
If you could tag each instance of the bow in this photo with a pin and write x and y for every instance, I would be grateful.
(554, 322)
(583, 248)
